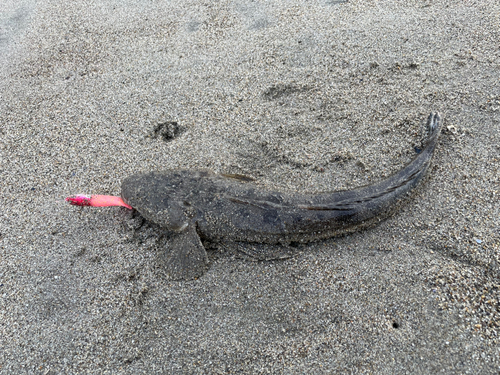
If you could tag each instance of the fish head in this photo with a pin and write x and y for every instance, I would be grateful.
(160, 197)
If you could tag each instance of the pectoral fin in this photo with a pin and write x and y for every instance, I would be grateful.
(185, 257)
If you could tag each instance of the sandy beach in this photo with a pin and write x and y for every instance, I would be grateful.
(302, 96)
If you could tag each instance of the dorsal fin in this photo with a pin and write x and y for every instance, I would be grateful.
(238, 177)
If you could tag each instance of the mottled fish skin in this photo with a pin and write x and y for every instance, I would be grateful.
(231, 208)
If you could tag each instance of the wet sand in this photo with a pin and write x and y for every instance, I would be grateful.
(302, 97)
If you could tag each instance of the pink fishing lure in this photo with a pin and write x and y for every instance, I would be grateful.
(97, 201)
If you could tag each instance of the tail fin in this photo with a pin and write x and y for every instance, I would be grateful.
(433, 126)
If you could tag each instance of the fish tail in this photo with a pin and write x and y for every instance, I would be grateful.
(433, 126)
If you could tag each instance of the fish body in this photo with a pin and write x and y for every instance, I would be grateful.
(218, 207)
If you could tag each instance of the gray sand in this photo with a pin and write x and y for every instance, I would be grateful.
(303, 96)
